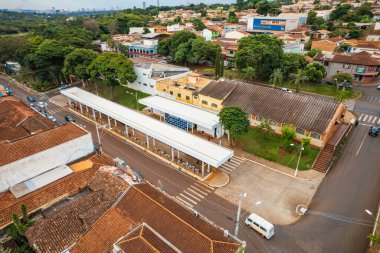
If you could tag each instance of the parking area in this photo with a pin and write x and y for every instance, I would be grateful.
(270, 194)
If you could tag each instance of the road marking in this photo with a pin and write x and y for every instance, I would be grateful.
(184, 202)
(226, 169)
(226, 165)
(378, 122)
(374, 120)
(238, 158)
(370, 117)
(365, 117)
(361, 116)
(200, 195)
(191, 195)
(189, 199)
(198, 190)
(203, 185)
(365, 136)
(234, 162)
(362, 124)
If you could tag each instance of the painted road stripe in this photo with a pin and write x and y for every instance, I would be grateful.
(198, 190)
(203, 188)
(370, 117)
(378, 122)
(204, 185)
(189, 199)
(191, 195)
(238, 158)
(230, 166)
(225, 169)
(196, 193)
(361, 116)
(365, 117)
(234, 162)
(374, 120)
(183, 201)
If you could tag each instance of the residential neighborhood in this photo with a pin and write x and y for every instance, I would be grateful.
(160, 126)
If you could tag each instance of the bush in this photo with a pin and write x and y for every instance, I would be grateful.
(341, 77)
(305, 142)
(288, 134)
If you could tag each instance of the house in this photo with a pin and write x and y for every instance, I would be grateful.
(183, 89)
(373, 35)
(32, 145)
(360, 66)
(145, 219)
(207, 34)
(211, 33)
(46, 195)
(325, 14)
(236, 35)
(327, 45)
(231, 51)
(150, 71)
(293, 48)
(321, 34)
(272, 24)
(174, 28)
(139, 30)
(146, 48)
(364, 46)
(160, 29)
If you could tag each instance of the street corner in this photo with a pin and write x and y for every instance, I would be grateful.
(271, 194)
(59, 100)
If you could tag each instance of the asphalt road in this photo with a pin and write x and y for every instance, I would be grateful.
(352, 185)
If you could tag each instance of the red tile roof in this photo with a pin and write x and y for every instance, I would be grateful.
(143, 203)
(362, 58)
(13, 151)
(49, 194)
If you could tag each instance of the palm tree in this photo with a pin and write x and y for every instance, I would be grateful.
(249, 74)
(276, 77)
(298, 79)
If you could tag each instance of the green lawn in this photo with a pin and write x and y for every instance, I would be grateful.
(120, 95)
(270, 147)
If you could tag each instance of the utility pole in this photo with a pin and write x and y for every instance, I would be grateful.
(241, 196)
(97, 133)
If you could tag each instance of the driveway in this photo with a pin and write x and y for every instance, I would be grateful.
(271, 194)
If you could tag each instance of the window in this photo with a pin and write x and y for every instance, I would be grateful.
(315, 135)
(214, 105)
(164, 90)
(263, 229)
(257, 225)
(249, 220)
(300, 131)
(179, 95)
(144, 74)
(171, 92)
(151, 86)
(259, 118)
(204, 102)
(187, 98)
(145, 84)
(272, 123)
(346, 66)
(139, 82)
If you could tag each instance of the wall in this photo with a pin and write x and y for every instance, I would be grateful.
(31, 166)
(143, 82)
(198, 102)
(207, 34)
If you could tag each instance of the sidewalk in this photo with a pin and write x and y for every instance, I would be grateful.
(21, 86)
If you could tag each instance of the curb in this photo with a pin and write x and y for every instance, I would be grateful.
(222, 185)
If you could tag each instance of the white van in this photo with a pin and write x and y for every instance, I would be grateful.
(264, 227)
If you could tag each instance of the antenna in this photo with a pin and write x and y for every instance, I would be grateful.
(158, 4)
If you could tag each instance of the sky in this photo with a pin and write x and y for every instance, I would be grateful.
(98, 4)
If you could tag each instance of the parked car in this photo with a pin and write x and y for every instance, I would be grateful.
(264, 227)
(31, 99)
(42, 104)
(374, 131)
(378, 87)
(59, 123)
(8, 91)
(287, 90)
(348, 86)
(69, 118)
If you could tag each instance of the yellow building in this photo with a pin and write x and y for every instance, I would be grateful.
(184, 89)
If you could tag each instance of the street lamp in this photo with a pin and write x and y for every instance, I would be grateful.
(374, 226)
(369, 213)
(137, 101)
(241, 196)
(301, 148)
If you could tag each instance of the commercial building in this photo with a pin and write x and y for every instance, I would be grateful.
(269, 25)
(145, 48)
(150, 71)
(302, 17)
(32, 145)
(185, 116)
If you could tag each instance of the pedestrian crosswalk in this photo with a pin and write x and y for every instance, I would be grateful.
(194, 194)
(231, 165)
(372, 99)
(57, 110)
(44, 97)
(369, 119)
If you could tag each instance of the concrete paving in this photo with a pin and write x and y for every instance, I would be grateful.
(271, 194)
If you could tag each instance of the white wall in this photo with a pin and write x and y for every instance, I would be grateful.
(291, 24)
(207, 34)
(143, 82)
(31, 166)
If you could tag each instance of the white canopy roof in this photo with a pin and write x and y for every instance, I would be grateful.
(187, 112)
(192, 145)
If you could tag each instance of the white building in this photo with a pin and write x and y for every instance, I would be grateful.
(149, 71)
(325, 14)
(236, 35)
(174, 28)
(207, 34)
(272, 24)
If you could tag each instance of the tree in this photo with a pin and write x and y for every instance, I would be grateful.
(232, 18)
(92, 25)
(314, 72)
(298, 79)
(164, 47)
(313, 52)
(146, 30)
(341, 77)
(178, 38)
(203, 13)
(305, 143)
(219, 66)
(240, 5)
(235, 120)
(288, 134)
(249, 74)
(19, 226)
(291, 62)
(9, 46)
(114, 69)
(77, 62)
(261, 52)
(276, 77)
(198, 24)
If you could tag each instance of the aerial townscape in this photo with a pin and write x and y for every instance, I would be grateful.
(222, 126)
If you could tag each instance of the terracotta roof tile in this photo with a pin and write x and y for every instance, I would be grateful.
(362, 58)
(13, 151)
